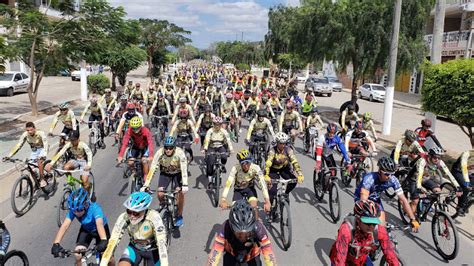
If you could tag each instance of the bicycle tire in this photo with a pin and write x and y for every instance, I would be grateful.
(401, 261)
(51, 187)
(215, 190)
(451, 202)
(107, 129)
(236, 131)
(92, 187)
(318, 185)
(92, 144)
(62, 207)
(334, 202)
(369, 162)
(345, 179)
(168, 222)
(435, 227)
(360, 176)
(285, 222)
(403, 216)
(24, 180)
(15, 253)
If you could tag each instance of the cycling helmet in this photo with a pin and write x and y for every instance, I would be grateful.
(332, 128)
(74, 135)
(350, 107)
(410, 135)
(78, 200)
(274, 93)
(64, 105)
(107, 90)
(281, 137)
(262, 113)
(387, 164)
(314, 110)
(426, 123)
(135, 122)
(202, 92)
(93, 99)
(207, 108)
(243, 156)
(124, 97)
(170, 141)
(137, 85)
(217, 120)
(359, 125)
(183, 113)
(264, 99)
(229, 96)
(182, 100)
(138, 201)
(367, 116)
(242, 217)
(436, 151)
(160, 94)
(131, 106)
(367, 211)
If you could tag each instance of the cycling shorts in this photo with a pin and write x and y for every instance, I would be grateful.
(135, 256)
(138, 153)
(427, 184)
(84, 237)
(165, 180)
(79, 164)
(249, 192)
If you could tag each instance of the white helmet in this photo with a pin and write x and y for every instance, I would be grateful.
(281, 137)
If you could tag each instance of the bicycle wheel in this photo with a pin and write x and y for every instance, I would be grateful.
(22, 195)
(314, 143)
(450, 203)
(215, 189)
(285, 224)
(236, 131)
(318, 185)
(52, 184)
(92, 188)
(92, 142)
(445, 235)
(334, 202)
(401, 262)
(360, 176)
(369, 164)
(401, 211)
(133, 183)
(14, 258)
(168, 223)
(346, 179)
(62, 207)
(107, 127)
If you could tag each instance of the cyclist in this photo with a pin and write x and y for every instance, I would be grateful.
(97, 114)
(290, 121)
(328, 142)
(125, 119)
(201, 102)
(241, 239)
(108, 100)
(161, 107)
(183, 105)
(185, 128)
(408, 148)
(358, 140)
(142, 145)
(93, 225)
(173, 165)
(308, 104)
(251, 106)
(369, 124)
(425, 132)
(265, 105)
(229, 109)
(282, 162)
(313, 120)
(348, 117)
(183, 93)
(129, 87)
(67, 117)
(39, 148)
(150, 97)
(246, 176)
(204, 123)
(374, 183)
(80, 157)
(120, 107)
(217, 140)
(427, 175)
(4, 240)
(359, 235)
(137, 93)
(170, 95)
(259, 129)
(146, 231)
(463, 171)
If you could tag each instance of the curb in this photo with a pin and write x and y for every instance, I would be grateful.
(394, 101)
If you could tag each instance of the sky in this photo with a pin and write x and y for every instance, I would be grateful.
(208, 20)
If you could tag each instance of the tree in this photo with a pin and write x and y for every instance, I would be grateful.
(123, 61)
(159, 34)
(2, 55)
(447, 91)
(240, 52)
(188, 52)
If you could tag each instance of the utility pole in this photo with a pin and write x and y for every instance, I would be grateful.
(242, 36)
(392, 70)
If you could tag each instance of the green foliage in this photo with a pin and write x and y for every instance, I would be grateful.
(241, 52)
(242, 66)
(123, 61)
(189, 52)
(286, 60)
(448, 91)
(98, 83)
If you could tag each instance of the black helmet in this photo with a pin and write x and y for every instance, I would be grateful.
(436, 151)
(207, 108)
(387, 164)
(242, 217)
(410, 135)
(350, 107)
(262, 113)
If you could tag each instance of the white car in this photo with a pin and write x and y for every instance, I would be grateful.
(336, 85)
(319, 86)
(372, 91)
(12, 82)
(301, 78)
(76, 75)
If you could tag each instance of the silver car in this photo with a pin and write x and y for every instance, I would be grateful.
(12, 82)
(336, 85)
(319, 86)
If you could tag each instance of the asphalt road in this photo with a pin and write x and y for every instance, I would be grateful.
(313, 230)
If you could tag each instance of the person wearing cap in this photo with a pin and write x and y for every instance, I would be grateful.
(360, 234)
(108, 100)
(185, 130)
(204, 122)
(97, 114)
(67, 117)
(161, 108)
(424, 132)
(125, 119)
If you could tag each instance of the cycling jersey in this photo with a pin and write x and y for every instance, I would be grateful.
(183, 126)
(148, 234)
(141, 140)
(201, 103)
(227, 108)
(356, 139)
(267, 106)
(413, 149)
(225, 241)
(81, 152)
(260, 127)
(280, 159)
(88, 220)
(245, 179)
(96, 110)
(371, 182)
(289, 120)
(426, 170)
(465, 164)
(185, 107)
(151, 97)
(170, 165)
(216, 139)
(314, 121)
(275, 103)
(252, 102)
(107, 100)
(329, 144)
(423, 134)
(346, 118)
(68, 119)
(37, 141)
(205, 121)
(369, 125)
(306, 107)
(125, 118)
(138, 94)
(162, 107)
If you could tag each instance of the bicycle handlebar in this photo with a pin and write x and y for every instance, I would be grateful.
(67, 252)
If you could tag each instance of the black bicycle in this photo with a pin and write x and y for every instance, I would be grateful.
(325, 181)
(259, 150)
(90, 256)
(383, 261)
(158, 128)
(134, 174)
(216, 178)
(12, 257)
(361, 165)
(452, 201)
(169, 211)
(184, 141)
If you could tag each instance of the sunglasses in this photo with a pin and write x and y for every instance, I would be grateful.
(169, 148)
(387, 173)
(371, 225)
(79, 210)
(133, 213)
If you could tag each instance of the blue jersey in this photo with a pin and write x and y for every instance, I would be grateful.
(372, 183)
(87, 221)
(331, 143)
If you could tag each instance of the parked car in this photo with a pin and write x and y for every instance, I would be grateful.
(336, 85)
(12, 82)
(301, 78)
(372, 92)
(64, 73)
(319, 86)
(76, 75)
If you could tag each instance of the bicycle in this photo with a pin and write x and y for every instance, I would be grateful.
(217, 165)
(13, 257)
(158, 128)
(183, 141)
(94, 135)
(134, 173)
(168, 211)
(26, 186)
(281, 211)
(361, 165)
(401, 174)
(71, 185)
(452, 201)
(442, 225)
(90, 256)
(311, 143)
(325, 182)
(383, 261)
(259, 150)
(109, 124)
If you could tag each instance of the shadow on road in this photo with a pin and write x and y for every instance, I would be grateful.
(275, 233)
(215, 229)
(323, 245)
(122, 192)
(303, 195)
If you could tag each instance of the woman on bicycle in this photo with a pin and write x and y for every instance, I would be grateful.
(146, 231)
(93, 225)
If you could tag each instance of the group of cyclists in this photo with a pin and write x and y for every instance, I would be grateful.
(221, 99)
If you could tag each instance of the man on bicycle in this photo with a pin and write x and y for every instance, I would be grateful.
(150, 97)
(173, 165)
(290, 121)
(93, 225)
(282, 162)
(97, 114)
(217, 140)
(308, 104)
(108, 100)
(125, 119)
(358, 141)
(427, 176)
(185, 130)
(204, 123)
(161, 107)
(246, 176)
(142, 145)
(425, 132)
(328, 143)
(313, 120)
(67, 117)
(241, 239)
(369, 124)
(374, 183)
(183, 105)
(229, 109)
(146, 231)
(408, 149)
(201, 102)
(80, 157)
(39, 148)
(259, 129)
(348, 116)
(359, 235)
(463, 171)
